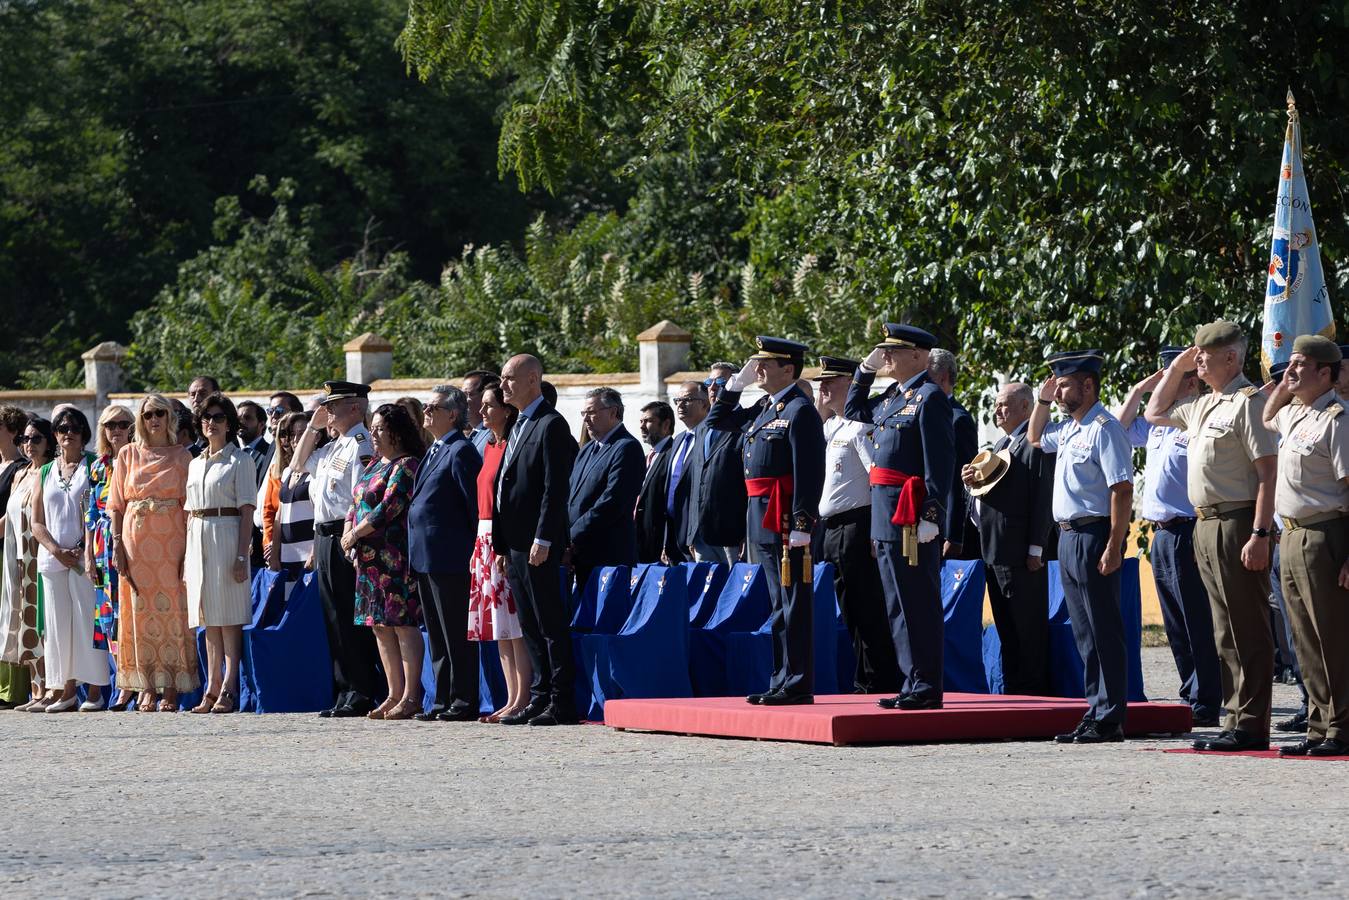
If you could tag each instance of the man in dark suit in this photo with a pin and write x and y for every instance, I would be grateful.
(442, 521)
(529, 529)
(652, 516)
(962, 535)
(715, 504)
(604, 485)
(691, 407)
(913, 445)
(783, 465)
(1014, 488)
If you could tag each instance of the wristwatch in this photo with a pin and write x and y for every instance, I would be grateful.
(1260, 532)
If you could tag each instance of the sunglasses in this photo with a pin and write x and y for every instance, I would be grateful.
(432, 407)
(719, 382)
(276, 411)
(214, 417)
(29, 439)
(154, 414)
(117, 425)
(66, 429)
(685, 401)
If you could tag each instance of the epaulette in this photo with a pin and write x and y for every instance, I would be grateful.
(1249, 390)
(1101, 419)
(1334, 410)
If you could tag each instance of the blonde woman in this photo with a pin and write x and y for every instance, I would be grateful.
(114, 431)
(156, 650)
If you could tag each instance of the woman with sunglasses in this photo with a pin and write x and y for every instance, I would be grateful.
(114, 431)
(222, 490)
(156, 651)
(14, 680)
(291, 530)
(21, 615)
(67, 595)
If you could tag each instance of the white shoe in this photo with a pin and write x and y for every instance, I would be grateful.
(92, 706)
(65, 705)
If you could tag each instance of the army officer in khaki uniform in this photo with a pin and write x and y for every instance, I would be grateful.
(1233, 460)
(1313, 501)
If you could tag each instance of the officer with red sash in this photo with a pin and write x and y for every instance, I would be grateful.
(784, 475)
(913, 445)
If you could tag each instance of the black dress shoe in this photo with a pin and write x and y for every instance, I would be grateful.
(890, 702)
(426, 716)
(1234, 741)
(909, 701)
(346, 712)
(1329, 747)
(1071, 736)
(328, 713)
(524, 715)
(757, 699)
(554, 716)
(1294, 725)
(1301, 748)
(781, 699)
(1100, 733)
(463, 714)
(1199, 720)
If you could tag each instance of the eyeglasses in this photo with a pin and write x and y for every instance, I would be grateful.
(66, 429)
(276, 412)
(432, 407)
(117, 425)
(154, 414)
(719, 382)
(685, 401)
(214, 417)
(29, 439)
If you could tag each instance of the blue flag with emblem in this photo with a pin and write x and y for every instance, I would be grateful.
(1296, 299)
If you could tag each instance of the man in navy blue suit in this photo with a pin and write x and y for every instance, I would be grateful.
(913, 447)
(442, 520)
(605, 483)
(783, 459)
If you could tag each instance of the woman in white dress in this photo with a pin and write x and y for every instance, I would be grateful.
(68, 597)
(222, 490)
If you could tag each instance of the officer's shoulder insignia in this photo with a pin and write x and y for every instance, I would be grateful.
(1101, 419)
(908, 393)
(781, 406)
(1250, 390)
(1334, 410)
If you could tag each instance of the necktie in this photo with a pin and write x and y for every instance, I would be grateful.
(681, 454)
(707, 443)
(650, 456)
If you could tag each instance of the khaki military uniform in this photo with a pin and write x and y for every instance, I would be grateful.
(1313, 502)
(1226, 437)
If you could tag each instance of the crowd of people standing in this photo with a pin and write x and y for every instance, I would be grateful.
(457, 513)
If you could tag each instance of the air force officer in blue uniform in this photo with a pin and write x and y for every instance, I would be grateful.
(913, 448)
(783, 440)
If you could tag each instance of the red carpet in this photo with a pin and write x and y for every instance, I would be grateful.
(1252, 754)
(856, 719)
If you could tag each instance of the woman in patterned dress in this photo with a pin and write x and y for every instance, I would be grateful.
(491, 607)
(114, 431)
(15, 679)
(377, 534)
(156, 650)
(21, 625)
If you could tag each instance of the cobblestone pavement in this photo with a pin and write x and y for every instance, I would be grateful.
(175, 805)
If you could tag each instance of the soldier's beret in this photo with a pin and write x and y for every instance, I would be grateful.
(1217, 334)
(1318, 349)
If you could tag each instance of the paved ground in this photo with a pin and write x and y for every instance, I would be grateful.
(133, 805)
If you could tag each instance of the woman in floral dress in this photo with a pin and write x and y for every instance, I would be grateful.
(377, 535)
(114, 431)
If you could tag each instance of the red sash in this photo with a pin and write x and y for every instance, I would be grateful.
(778, 490)
(912, 493)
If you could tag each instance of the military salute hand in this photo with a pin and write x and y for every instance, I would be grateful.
(744, 378)
(1047, 389)
(875, 359)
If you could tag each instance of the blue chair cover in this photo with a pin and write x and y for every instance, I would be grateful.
(648, 657)
(1065, 665)
(962, 595)
(749, 656)
(742, 605)
(604, 602)
(491, 680)
(269, 604)
(705, 583)
(290, 667)
(636, 577)
(993, 661)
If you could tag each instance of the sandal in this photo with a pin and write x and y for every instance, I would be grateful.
(147, 703)
(207, 702)
(125, 699)
(404, 709)
(226, 703)
(168, 706)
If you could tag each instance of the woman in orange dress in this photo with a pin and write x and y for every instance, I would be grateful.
(157, 652)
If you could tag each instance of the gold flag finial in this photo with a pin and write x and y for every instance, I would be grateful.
(1292, 104)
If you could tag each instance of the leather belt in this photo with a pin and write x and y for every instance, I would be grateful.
(332, 528)
(1081, 522)
(215, 512)
(847, 517)
(1313, 519)
(1218, 510)
(1175, 522)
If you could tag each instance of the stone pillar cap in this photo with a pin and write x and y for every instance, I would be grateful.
(108, 351)
(665, 332)
(368, 342)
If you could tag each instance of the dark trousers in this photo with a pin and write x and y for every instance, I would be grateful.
(1188, 617)
(1020, 602)
(546, 625)
(845, 541)
(1098, 626)
(792, 618)
(913, 605)
(355, 658)
(1276, 598)
(454, 658)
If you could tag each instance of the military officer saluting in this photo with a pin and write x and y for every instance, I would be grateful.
(784, 474)
(913, 449)
(1233, 462)
(1093, 499)
(1312, 499)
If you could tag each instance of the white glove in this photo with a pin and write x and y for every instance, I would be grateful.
(798, 539)
(744, 378)
(927, 531)
(875, 359)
